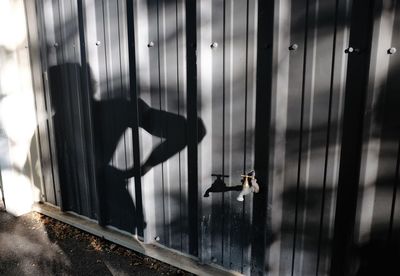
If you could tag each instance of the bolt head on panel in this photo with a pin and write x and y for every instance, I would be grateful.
(293, 47)
(392, 50)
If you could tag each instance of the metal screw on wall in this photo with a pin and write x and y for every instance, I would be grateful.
(293, 47)
(214, 45)
(351, 50)
(157, 238)
(98, 43)
(151, 44)
(392, 50)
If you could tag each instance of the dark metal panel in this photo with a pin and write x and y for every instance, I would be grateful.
(167, 127)
(218, 88)
(106, 105)
(238, 133)
(292, 196)
(113, 114)
(376, 232)
(358, 66)
(194, 127)
(316, 126)
(263, 137)
(133, 93)
(371, 146)
(156, 103)
(130, 148)
(333, 146)
(67, 118)
(277, 129)
(88, 34)
(387, 167)
(120, 207)
(128, 153)
(235, 133)
(85, 75)
(387, 175)
(394, 234)
(224, 55)
(229, 204)
(204, 106)
(182, 110)
(142, 42)
(58, 93)
(174, 123)
(308, 134)
(250, 128)
(70, 46)
(62, 80)
(133, 85)
(60, 90)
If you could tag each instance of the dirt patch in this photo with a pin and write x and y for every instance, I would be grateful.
(34, 244)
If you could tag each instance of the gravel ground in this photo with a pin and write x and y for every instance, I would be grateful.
(34, 244)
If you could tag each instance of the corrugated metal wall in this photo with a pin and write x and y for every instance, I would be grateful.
(307, 100)
(227, 105)
(128, 140)
(377, 231)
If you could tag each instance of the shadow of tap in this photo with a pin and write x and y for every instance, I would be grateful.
(219, 186)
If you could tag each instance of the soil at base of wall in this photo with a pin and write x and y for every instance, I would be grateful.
(34, 244)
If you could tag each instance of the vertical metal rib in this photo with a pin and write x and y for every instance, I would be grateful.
(179, 113)
(191, 46)
(244, 235)
(135, 128)
(327, 138)
(300, 138)
(223, 122)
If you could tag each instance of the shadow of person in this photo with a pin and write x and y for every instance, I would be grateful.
(110, 119)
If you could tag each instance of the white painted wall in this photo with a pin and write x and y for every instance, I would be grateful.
(17, 111)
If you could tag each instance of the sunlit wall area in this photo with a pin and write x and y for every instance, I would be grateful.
(17, 111)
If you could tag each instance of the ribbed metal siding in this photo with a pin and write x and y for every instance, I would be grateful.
(50, 179)
(307, 103)
(260, 103)
(227, 97)
(106, 46)
(101, 32)
(61, 60)
(378, 210)
(161, 75)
